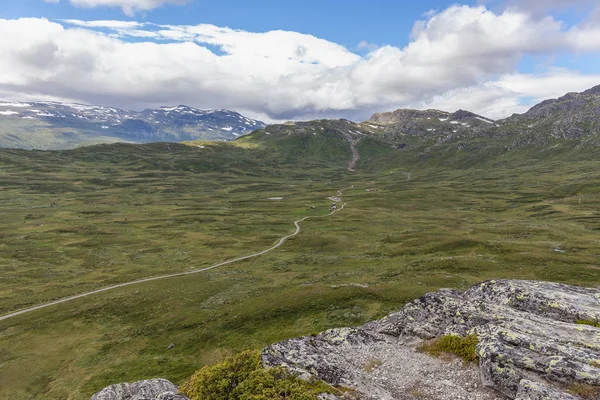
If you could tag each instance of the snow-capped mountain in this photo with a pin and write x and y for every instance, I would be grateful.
(52, 125)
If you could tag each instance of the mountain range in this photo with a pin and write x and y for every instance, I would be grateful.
(50, 125)
(54, 126)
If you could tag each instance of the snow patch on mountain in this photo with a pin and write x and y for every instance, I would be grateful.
(165, 124)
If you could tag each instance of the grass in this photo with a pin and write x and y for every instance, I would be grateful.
(463, 347)
(372, 365)
(587, 392)
(587, 322)
(78, 220)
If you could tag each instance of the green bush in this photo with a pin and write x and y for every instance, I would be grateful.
(463, 347)
(587, 392)
(587, 322)
(242, 377)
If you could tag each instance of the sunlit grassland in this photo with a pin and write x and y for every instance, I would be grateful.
(141, 211)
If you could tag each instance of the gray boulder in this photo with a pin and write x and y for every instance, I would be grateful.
(529, 345)
(152, 389)
(529, 390)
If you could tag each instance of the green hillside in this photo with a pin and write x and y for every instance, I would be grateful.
(421, 214)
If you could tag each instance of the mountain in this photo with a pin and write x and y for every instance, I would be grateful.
(436, 125)
(51, 125)
(574, 115)
(554, 128)
(416, 121)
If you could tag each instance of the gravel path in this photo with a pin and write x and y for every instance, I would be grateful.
(402, 373)
(156, 278)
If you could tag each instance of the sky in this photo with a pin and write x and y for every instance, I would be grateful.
(279, 60)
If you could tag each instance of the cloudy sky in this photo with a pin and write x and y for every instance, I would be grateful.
(300, 59)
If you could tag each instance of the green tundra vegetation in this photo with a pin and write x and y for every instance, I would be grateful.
(418, 216)
(464, 347)
(242, 377)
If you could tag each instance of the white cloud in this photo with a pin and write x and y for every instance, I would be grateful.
(586, 35)
(488, 99)
(552, 84)
(129, 7)
(541, 7)
(503, 97)
(104, 24)
(364, 45)
(465, 56)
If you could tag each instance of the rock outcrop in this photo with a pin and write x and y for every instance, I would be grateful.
(533, 344)
(152, 389)
(435, 125)
(530, 346)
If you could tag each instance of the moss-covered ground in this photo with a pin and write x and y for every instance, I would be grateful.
(78, 220)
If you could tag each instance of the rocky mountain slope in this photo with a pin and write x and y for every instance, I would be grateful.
(415, 122)
(573, 116)
(50, 125)
(569, 123)
(536, 340)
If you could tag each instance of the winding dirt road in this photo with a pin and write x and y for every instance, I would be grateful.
(156, 278)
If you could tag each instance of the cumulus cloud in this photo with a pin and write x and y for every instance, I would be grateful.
(129, 7)
(364, 45)
(104, 24)
(541, 7)
(505, 96)
(462, 57)
(586, 36)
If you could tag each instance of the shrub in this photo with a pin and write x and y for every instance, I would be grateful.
(587, 322)
(242, 377)
(463, 347)
(584, 391)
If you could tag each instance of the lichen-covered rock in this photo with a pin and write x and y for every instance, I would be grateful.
(152, 389)
(529, 344)
(529, 390)
(377, 366)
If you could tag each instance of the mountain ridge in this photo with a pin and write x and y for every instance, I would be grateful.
(574, 115)
(55, 125)
(52, 125)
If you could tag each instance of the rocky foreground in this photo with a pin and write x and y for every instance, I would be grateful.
(530, 347)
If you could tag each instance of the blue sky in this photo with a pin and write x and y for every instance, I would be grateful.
(347, 22)
(362, 55)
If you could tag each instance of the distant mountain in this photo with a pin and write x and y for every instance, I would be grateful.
(552, 128)
(327, 141)
(572, 116)
(51, 125)
(436, 125)
(412, 118)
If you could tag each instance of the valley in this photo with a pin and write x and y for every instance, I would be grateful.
(421, 213)
(299, 200)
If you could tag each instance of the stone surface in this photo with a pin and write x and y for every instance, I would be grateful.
(572, 116)
(152, 389)
(529, 345)
(378, 366)
(529, 390)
